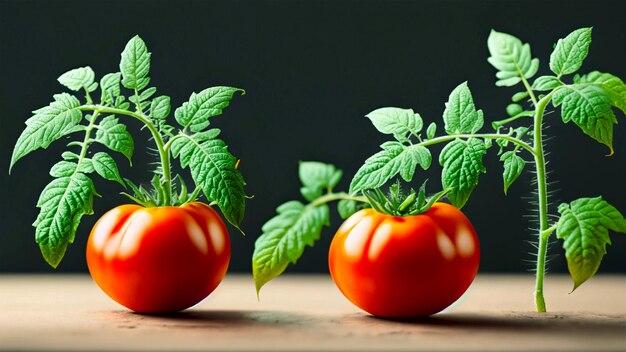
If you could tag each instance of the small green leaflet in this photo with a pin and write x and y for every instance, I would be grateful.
(78, 78)
(62, 203)
(514, 109)
(160, 109)
(396, 121)
(210, 102)
(48, 125)
(317, 177)
(460, 115)
(393, 159)
(570, 52)
(213, 169)
(462, 163)
(431, 130)
(135, 64)
(513, 167)
(511, 58)
(284, 238)
(589, 107)
(63, 168)
(615, 88)
(110, 87)
(584, 228)
(114, 136)
(106, 167)
(545, 83)
(346, 208)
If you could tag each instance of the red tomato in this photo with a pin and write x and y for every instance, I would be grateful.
(162, 259)
(400, 267)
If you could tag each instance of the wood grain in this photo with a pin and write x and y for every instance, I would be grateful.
(61, 312)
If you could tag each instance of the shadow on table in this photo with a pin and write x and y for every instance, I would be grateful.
(512, 321)
(200, 319)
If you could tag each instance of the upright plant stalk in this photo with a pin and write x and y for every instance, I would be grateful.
(542, 198)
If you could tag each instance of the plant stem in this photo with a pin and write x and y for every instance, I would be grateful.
(85, 144)
(497, 124)
(542, 194)
(330, 197)
(480, 135)
(158, 140)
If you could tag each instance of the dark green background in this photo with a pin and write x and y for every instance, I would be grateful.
(311, 69)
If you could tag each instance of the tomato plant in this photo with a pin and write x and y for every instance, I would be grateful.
(159, 259)
(411, 266)
(588, 100)
(172, 251)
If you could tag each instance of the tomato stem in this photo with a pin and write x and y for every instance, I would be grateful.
(511, 139)
(330, 197)
(158, 140)
(542, 194)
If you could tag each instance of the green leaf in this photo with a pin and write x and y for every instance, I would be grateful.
(462, 163)
(461, 115)
(317, 177)
(519, 96)
(63, 168)
(431, 130)
(615, 88)
(48, 125)
(213, 169)
(78, 78)
(201, 106)
(114, 136)
(346, 207)
(570, 52)
(86, 166)
(584, 228)
(160, 109)
(589, 107)
(513, 167)
(135, 64)
(284, 238)
(393, 159)
(146, 94)
(545, 83)
(110, 87)
(514, 109)
(62, 204)
(511, 58)
(106, 167)
(396, 121)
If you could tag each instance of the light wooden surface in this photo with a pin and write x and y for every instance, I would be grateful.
(60, 312)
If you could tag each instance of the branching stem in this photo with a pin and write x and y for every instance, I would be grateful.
(511, 139)
(158, 140)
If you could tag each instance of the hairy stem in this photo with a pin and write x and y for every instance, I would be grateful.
(158, 140)
(542, 194)
(511, 139)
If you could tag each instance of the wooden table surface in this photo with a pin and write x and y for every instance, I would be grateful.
(61, 312)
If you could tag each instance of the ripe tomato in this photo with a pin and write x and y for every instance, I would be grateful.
(162, 259)
(412, 266)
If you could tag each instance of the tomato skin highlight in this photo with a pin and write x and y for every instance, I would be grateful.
(405, 267)
(157, 260)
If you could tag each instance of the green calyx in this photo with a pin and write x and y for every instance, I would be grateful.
(398, 202)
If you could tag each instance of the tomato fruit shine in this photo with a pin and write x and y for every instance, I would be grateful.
(402, 267)
(162, 259)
